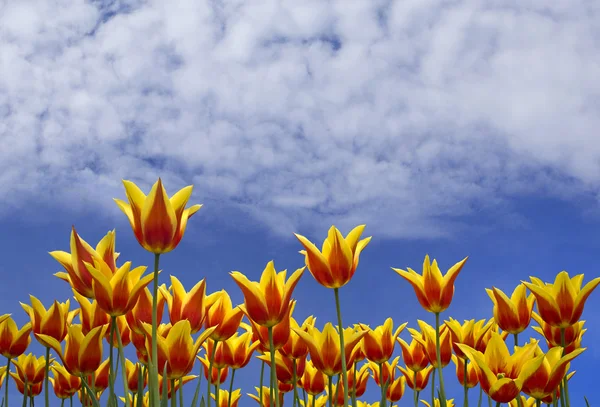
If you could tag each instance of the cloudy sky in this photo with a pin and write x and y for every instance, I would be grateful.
(449, 127)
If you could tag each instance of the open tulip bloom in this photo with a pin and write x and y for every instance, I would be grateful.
(315, 368)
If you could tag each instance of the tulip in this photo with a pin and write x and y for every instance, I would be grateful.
(501, 375)
(482, 345)
(124, 332)
(142, 311)
(133, 375)
(378, 344)
(173, 386)
(186, 305)
(525, 402)
(416, 380)
(414, 355)
(437, 403)
(395, 389)
(561, 304)
(470, 333)
(33, 389)
(13, 342)
(227, 399)
(469, 369)
(222, 315)
(238, 350)
(65, 384)
(573, 334)
(281, 332)
(427, 338)
(284, 366)
(512, 314)
(384, 375)
(217, 375)
(313, 380)
(357, 381)
(77, 274)
(30, 369)
(266, 398)
(549, 374)
(90, 315)
(314, 401)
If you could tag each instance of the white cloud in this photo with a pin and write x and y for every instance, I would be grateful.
(394, 113)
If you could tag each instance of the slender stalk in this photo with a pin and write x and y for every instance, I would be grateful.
(6, 384)
(46, 378)
(273, 368)
(480, 396)
(314, 399)
(295, 380)
(173, 396)
(565, 382)
(71, 401)
(498, 404)
(465, 384)
(217, 386)
(489, 401)
(210, 366)
(62, 402)
(433, 386)
(181, 392)
(111, 371)
(416, 393)
(123, 370)
(25, 393)
(342, 348)
(262, 377)
(439, 359)
(93, 386)
(353, 396)
(230, 388)
(153, 376)
(382, 385)
(538, 403)
(516, 336)
(330, 388)
(197, 391)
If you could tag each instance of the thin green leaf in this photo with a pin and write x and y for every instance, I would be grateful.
(140, 391)
(202, 403)
(89, 391)
(164, 402)
(587, 403)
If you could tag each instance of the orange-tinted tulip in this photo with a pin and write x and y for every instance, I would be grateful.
(157, 221)
(284, 366)
(216, 374)
(33, 389)
(118, 293)
(174, 389)
(281, 332)
(65, 384)
(486, 337)
(266, 398)
(142, 310)
(470, 333)
(83, 353)
(512, 314)
(186, 305)
(395, 389)
(414, 355)
(561, 304)
(434, 290)
(123, 330)
(238, 350)
(437, 403)
(427, 339)
(224, 398)
(547, 377)
(378, 344)
(52, 322)
(324, 347)
(525, 402)
(13, 341)
(132, 370)
(101, 377)
(472, 379)
(334, 265)
(387, 368)
(313, 381)
(314, 401)
(77, 274)
(91, 316)
(177, 349)
(362, 377)
(421, 380)
(221, 315)
(30, 369)
(552, 334)
(209, 346)
(501, 375)
(267, 301)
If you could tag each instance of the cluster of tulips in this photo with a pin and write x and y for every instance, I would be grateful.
(123, 305)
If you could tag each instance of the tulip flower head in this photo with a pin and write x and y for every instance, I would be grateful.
(512, 314)
(30, 369)
(295, 347)
(132, 371)
(224, 398)
(186, 305)
(313, 381)
(472, 379)
(266, 398)
(158, 222)
(142, 310)
(238, 349)
(90, 315)
(13, 341)
(421, 380)
(284, 366)
(470, 333)
(335, 264)
(378, 344)
(414, 355)
(281, 332)
(438, 403)
(395, 389)
(434, 290)
(427, 338)
(561, 304)
(33, 389)
(573, 334)
(65, 384)
(314, 401)
(222, 315)
(52, 322)
(267, 301)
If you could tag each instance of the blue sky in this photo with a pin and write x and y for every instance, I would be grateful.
(449, 128)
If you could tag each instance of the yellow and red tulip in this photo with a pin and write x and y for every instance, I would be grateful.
(33, 389)
(427, 338)
(414, 355)
(313, 381)
(334, 265)
(362, 377)
(387, 368)
(284, 366)
(123, 330)
(142, 311)
(238, 349)
(172, 390)
(267, 301)
(132, 371)
(281, 332)
(422, 377)
(512, 314)
(186, 305)
(378, 344)
(561, 304)
(470, 333)
(552, 334)
(266, 398)
(224, 398)
(395, 389)
(434, 290)
(90, 315)
(217, 375)
(158, 222)
(29, 368)
(13, 341)
(437, 403)
(221, 315)
(65, 384)
(314, 401)
(52, 322)
(472, 379)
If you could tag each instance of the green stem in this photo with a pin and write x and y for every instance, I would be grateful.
(173, 396)
(439, 359)
(354, 403)
(62, 402)
(6, 384)
(93, 386)
(46, 378)
(111, 370)
(516, 336)
(538, 403)
(416, 393)
(295, 380)
(217, 387)
(489, 401)
(480, 396)
(262, 377)
(210, 366)
(382, 385)
(433, 374)
(25, 393)
(342, 348)
(71, 401)
(230, 388)
(273, 369)
(314, 399)
(330, 387)
(181, 392)
(153, 362)
(564, 383)
(465, 384)
(123, 370)
(498, 404)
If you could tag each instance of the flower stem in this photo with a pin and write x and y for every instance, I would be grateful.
(217, 391)
(480, 396)
(295, 380)
(516, 336)
(354, 386)
(230, 388)
(465, 384)
(123, 370)
(111, 369)
(262, 377)
(6, 384)
(25, 393)
(382, 385)
(342, 348)
(439, 359)
(416, 393)
(564, 383)
(173, 396)
(433, 386)
(181, 391)
(273, 369)
(46, 378)
(538, 403)
(153, 376)
(210, 366)
(330, 388)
